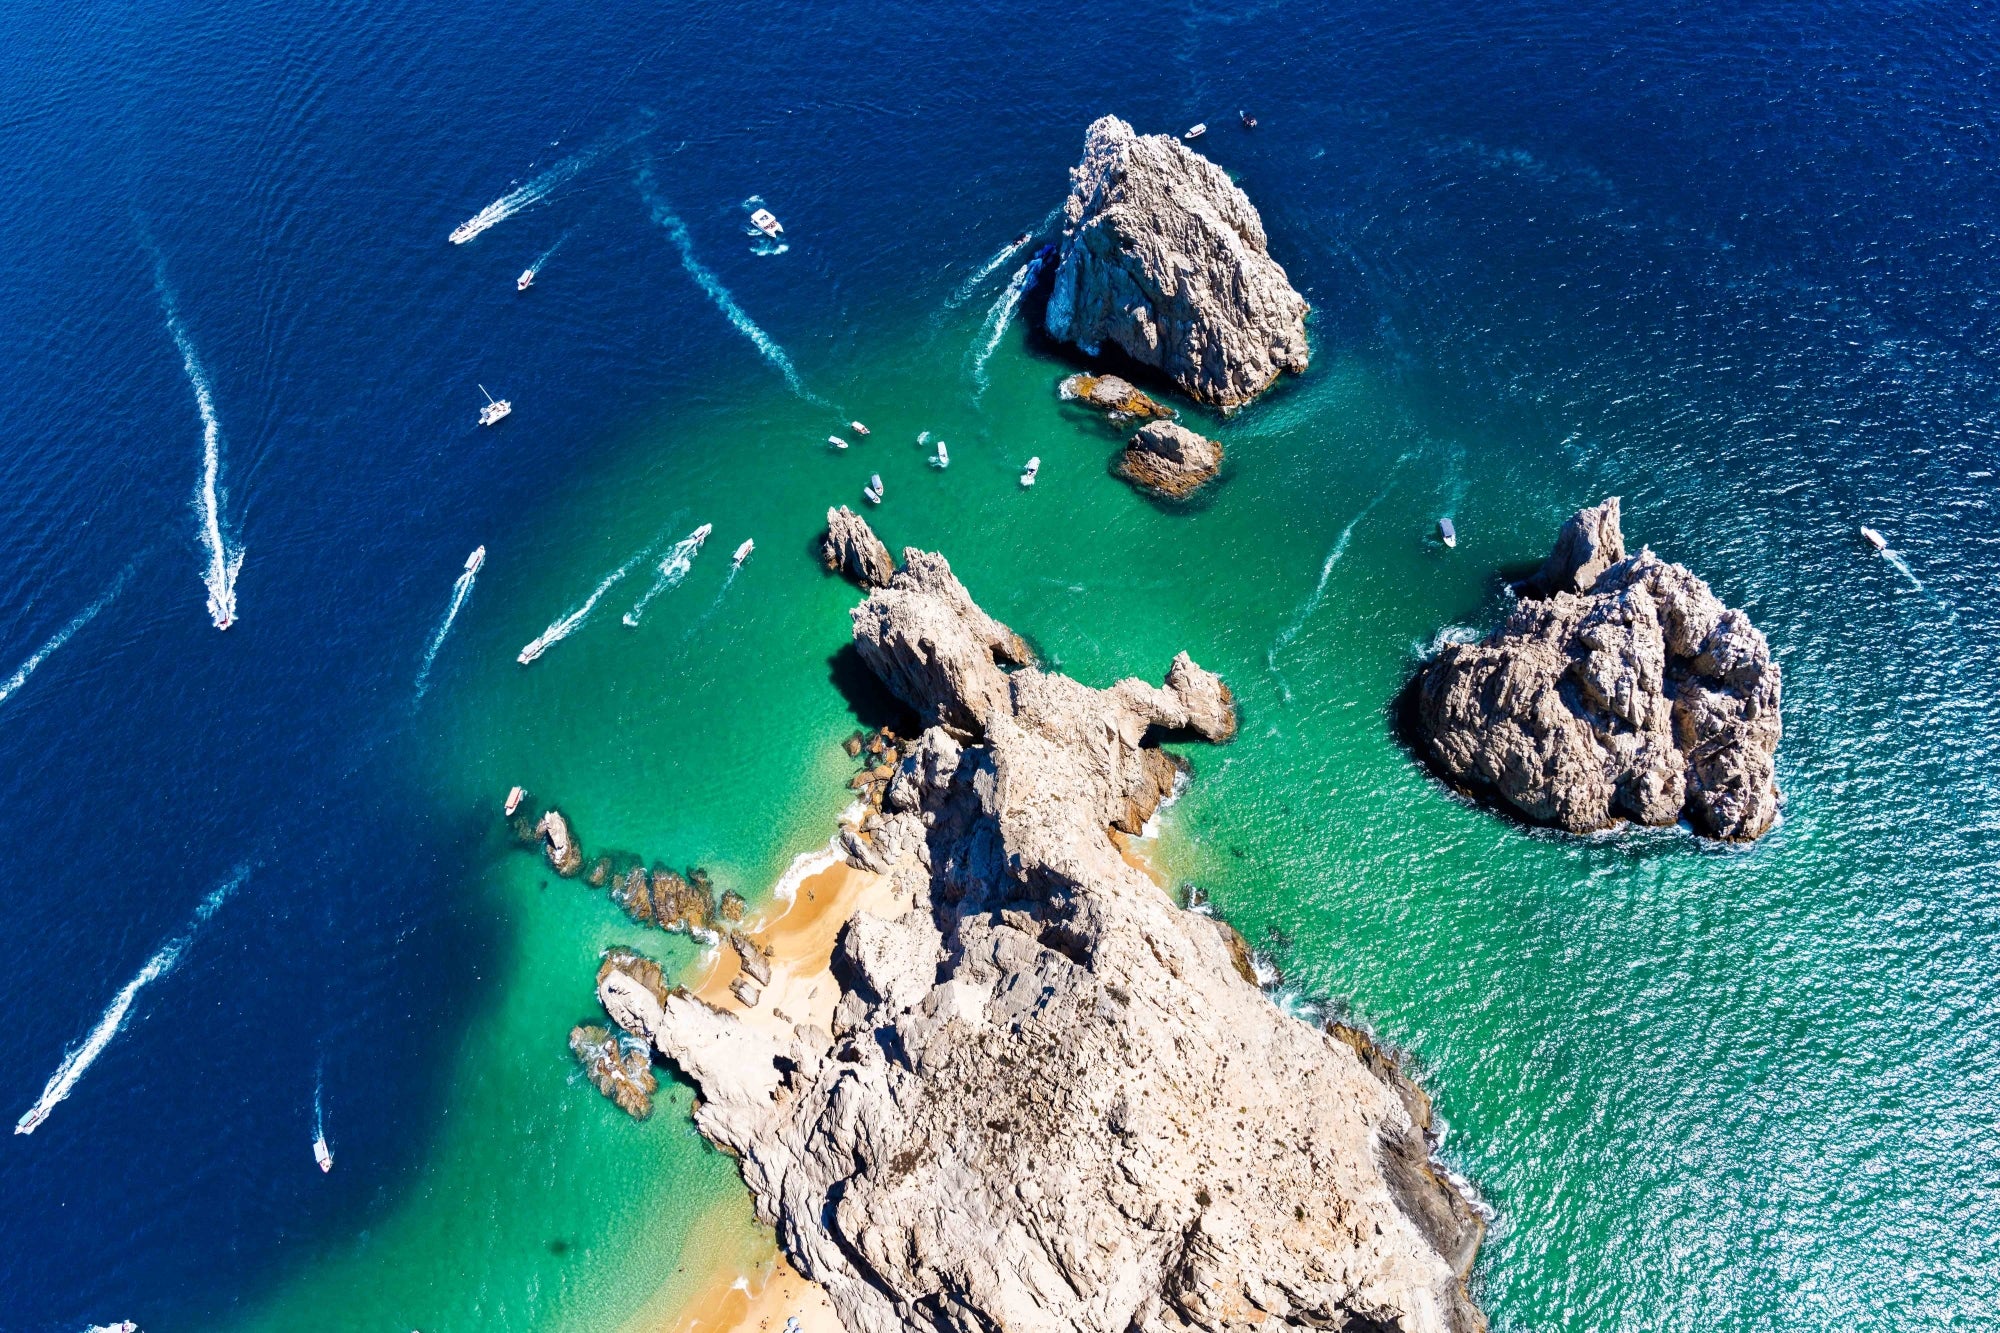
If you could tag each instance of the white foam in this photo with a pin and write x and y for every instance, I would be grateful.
(80, 1058)
(1312, 603)
(460, 590)
(535, 269)
(803, 867)
(717, 293)
(225, 557)
(998, 316)
(673, 568)
(62, 636)
(566, 626)
(537, 189)
(1000, 257)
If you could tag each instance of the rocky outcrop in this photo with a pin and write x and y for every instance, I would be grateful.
(1115, 397)
(852, 550)
(1049, 1098)
(558, 843)
(1169, 459)
(1164, 257)
(1619, 688)
(620, 1066)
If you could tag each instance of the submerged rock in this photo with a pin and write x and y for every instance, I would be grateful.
(1050, 1099)
(1163, 256)
(621, 1066)
(851, 549)
(1619, 688)
(1111, 395)
(1169, 459)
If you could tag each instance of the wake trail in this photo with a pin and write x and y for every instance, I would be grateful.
(1305, 612)
(541, 186)
(460, 590)
(79, 1059)
(998, 317)
(319, 1109)
(225, 557)
(965, 289)
(564, 627)
(62, 636)
(673, 568)
(720, 295)
(535, 269)
(1902, 567)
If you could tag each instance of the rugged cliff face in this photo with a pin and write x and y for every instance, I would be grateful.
(1051, 1099)
(1163, 256)
(1620, 687)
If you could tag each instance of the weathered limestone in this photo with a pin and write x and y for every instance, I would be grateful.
(1050, 1099)
(1117, 398)
(558, 844)
(1169, 459)
(852, 550)
(1619, 688)
(1163, 256)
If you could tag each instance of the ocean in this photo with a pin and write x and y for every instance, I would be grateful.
(1737, 265)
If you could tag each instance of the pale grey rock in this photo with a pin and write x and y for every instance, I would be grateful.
(851, 549)
(1627, 691)
(746, 991)
(1050, 1099)
(559, 844)
(1118, 398)
(755, 965)
(1169, 459)
(631, 1005)
(1162, 255)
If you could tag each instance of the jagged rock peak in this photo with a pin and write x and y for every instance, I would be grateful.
(1620, 687)
(1163, 256)
(851, 549)
(1051, 1099)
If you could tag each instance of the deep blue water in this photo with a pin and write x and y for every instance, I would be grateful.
(1763, 236)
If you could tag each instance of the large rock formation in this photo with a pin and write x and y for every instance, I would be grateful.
(852, 550)
(1050, 1099)
(1162, 255)
(1169, 459)
(1619, 687)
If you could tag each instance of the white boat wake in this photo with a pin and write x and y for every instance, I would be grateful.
(1901, 566)
(459, 592)
(535, 269)
(540, 187)
(717, 293)
(998, 317)
(563, 628)
(80, 1058)
(1006, 252)
(673, 568)
(62, 636)
(1312, 603)
(225, 557)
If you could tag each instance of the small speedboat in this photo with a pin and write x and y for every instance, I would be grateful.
(764, 221)
(525, 281)
(515, 796)
(1874, 538)
(1023, 239)
(743, 552)
(475, 560)
(857, 428)
(322, 1154)
(943, 457)
(1028, 472)
(1447, 533)
(836, 441)
(495, 408)
(1249, 121)
(1195, 132)
(873, 490)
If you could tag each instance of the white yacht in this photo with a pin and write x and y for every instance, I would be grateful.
(1447, 533)
(836, 441)
(1874, 538)
(1028, 472)
(943, 458)
(475, 560)
(322, 1154)
(857, 428)
(873, 490)
(763, 221)
(743, 552)
(1195, 131)
(495, 408)
(525, 281)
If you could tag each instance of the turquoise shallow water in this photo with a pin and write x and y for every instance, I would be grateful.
(1735, 268)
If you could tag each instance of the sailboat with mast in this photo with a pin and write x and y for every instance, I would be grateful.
(495, 408)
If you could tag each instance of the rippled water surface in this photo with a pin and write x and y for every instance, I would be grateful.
(1736, 265)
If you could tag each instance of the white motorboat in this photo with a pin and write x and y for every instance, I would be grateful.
(1447, 533)
(495, 408)
(763, 221)
(873, 490)
(475, 560)
(1028, 472)
(857, 428)
(836, 441)
(515, 796)
(1874, 538)
(1195, 131)
(525, 281)
(743, 552)
(943, 458)
(322, 1154)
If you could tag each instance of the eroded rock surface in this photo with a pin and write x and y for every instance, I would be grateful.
(1117, 398)
(1164, 257)
(1050, 1100)
(1619, 688)
(852, 550)
(620, 1066)
(1169, 459)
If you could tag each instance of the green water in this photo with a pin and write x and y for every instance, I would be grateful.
(1605, 1024)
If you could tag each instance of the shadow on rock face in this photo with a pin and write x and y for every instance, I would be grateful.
(873, 705)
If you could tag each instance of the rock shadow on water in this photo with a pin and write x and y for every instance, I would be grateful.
(874, 706)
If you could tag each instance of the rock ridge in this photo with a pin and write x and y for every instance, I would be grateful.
(1049, 1099)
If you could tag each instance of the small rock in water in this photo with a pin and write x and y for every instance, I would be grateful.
(620, 1065)
(1112, 395)
(559, 844)
(1169, 459)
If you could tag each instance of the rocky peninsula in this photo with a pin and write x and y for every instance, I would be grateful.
(1619, 688)
(1045, 1096)
(1164, 257)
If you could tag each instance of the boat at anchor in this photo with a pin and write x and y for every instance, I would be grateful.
(495, 408)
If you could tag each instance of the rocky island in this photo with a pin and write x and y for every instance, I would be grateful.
(1164, 257)
(1619, 688)
(1048, 1097)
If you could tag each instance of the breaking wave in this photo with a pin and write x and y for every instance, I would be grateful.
(62, 636)
(673, 568)
(80, 1058)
